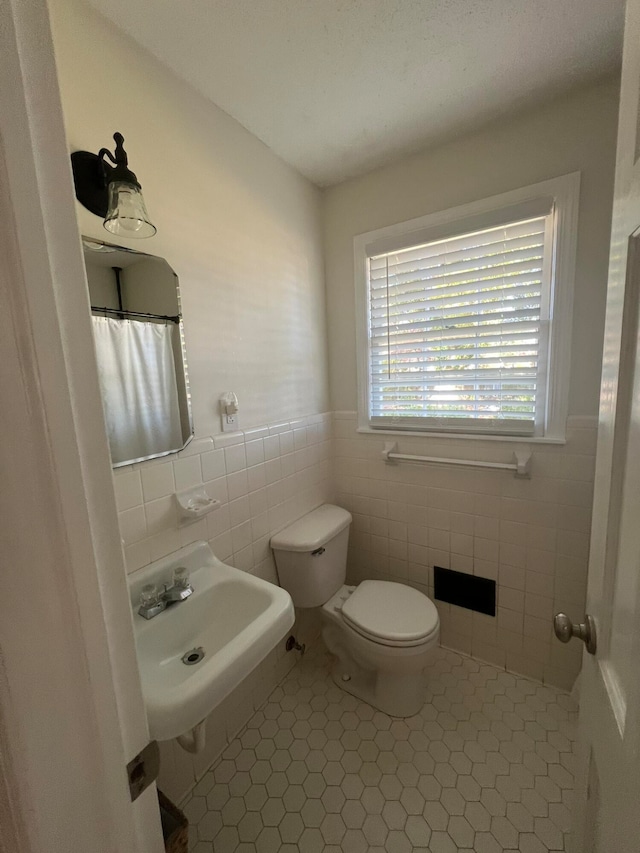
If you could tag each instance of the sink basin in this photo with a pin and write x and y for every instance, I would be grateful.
(193, 654)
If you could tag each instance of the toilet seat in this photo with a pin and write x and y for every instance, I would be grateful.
(391, 614)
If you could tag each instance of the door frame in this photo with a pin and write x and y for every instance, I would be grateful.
(71, 708)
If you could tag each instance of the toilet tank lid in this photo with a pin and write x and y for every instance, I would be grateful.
(312, 530)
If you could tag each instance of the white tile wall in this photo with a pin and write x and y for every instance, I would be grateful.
(531, 536)
(265, 478)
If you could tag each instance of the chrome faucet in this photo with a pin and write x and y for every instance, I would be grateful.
(154, 601)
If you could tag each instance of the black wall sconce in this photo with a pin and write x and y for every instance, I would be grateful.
(111, 192)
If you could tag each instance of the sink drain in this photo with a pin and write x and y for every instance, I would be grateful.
(193, 656)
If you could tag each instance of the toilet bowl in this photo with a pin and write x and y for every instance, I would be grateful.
(381, 633)
(382, 650)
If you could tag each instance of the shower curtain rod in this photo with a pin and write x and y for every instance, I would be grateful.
(175, 319)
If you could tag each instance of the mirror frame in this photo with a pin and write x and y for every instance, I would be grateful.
(87, 247)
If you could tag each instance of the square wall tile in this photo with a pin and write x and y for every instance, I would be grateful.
(161, 514)
(213, 465)
(157, 481)
(133, 525)
(187, 472)
(128, 489)
(235, 458)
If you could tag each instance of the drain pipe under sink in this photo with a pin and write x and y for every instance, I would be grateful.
(194, 740)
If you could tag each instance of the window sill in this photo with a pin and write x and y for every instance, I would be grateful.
(511, 439)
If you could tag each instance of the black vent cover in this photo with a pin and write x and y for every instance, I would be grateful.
(468, 591)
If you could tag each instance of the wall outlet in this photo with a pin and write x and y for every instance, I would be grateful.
(230, 423)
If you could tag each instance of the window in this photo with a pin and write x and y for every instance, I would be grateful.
(466, 317)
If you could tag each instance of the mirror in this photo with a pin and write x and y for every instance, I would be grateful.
(142, 365)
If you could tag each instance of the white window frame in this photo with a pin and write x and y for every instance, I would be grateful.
(562, 194)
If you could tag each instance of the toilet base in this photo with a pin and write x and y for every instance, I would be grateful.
(395, 685)
(401, 698)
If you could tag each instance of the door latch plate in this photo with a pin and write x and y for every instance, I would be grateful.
(143, 769)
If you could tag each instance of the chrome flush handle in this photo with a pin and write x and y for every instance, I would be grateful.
(586, 631)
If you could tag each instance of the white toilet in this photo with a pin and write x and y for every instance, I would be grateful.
(383, 634)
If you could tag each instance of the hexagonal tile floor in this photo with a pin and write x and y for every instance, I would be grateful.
(486, 766)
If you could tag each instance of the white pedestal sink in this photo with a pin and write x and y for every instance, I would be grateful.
(234, 618)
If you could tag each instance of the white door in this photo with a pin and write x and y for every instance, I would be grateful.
(71, 708)
(607, 806)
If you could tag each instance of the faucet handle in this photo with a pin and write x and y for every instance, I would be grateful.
(151, 601)
(180, 577)
(149, 595)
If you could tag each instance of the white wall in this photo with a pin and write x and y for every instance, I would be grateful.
(243, 232)
(240, 227)
(530, 536)
(575, 133)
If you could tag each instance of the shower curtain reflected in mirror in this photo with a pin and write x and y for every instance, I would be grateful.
(137, 373)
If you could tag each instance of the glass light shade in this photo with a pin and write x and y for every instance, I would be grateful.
(127, 214)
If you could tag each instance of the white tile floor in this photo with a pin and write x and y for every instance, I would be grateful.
(486, 766)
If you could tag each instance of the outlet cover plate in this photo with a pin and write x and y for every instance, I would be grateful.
(230, 423)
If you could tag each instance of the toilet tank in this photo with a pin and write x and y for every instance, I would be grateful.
(311, 555)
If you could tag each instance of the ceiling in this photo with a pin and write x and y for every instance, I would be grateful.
(339, 87)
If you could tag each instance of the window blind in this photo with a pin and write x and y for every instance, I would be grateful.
(457, 330)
